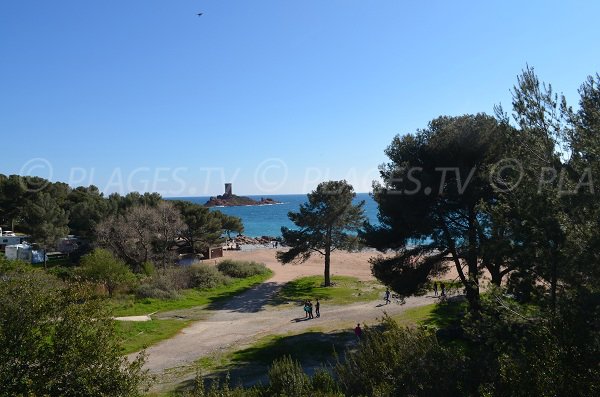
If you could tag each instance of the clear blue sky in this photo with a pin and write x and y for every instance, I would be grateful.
(272, 95)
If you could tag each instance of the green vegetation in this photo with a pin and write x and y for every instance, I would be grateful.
(345, 290)
(328, 221)
(134, 336)
(132, 306)
(101, 267)
(57, 339)
(241, 269)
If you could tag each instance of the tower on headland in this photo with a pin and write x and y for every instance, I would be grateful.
(228, 190)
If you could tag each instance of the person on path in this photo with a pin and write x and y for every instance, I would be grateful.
(443, 288)
(306, 310)
(318, 308)
(387, 296)
(358, 331)
(435, 288)
(310, 308)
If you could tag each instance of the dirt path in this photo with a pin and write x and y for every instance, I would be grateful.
(247, 317)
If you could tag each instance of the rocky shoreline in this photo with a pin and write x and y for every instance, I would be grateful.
(240, 240)
(233, 201)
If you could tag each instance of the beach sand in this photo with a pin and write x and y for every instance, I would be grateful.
(343, 263)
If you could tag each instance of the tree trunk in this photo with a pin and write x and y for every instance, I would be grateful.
(327, 266)
(496, 274)
(473, 282)
(553, 285)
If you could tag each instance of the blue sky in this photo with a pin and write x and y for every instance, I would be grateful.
(272, 95)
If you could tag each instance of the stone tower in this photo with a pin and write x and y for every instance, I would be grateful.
(228, 190)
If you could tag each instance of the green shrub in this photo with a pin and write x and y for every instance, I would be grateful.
(287, 378)
(59, 340)
(218, 389)
(397, 361)
(100, 266)
(164, 284)
(324, 384)
(241, 269)
(205, 277)
(152, 291)
(63, 272)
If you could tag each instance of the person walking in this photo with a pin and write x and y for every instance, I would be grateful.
(387, 296)
(443, 288)
(310, 308)
(306, 310)
(358, 331)
(435, 288)
(318, 308)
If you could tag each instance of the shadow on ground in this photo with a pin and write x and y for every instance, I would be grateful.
(250, 366)
(250, 301)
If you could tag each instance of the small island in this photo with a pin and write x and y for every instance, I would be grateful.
(228, 199)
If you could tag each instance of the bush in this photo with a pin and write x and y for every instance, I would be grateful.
(58, 340)
(287, 378)
(63, 272)
(396, 361)
(164, 284)
(324, 384)
(241, 269)
(206, 277)
(151, 291)
(102, 267)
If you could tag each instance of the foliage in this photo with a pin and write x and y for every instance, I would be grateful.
(203, 226)
(58, 340)
(218, 389)
(102, 267)
(142, 234)
(230, 224)
(286, 378)
(13, 266)
(241, 269)
(433, 192)
(395, 361)
(326, 223)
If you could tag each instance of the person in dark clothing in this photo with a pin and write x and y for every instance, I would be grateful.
(435, 289)
(358, 331)
(317, 309)
(310, 308)
(443, 288)
(387, 296)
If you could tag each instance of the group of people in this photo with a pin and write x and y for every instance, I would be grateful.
(442, 289)
(308, 309)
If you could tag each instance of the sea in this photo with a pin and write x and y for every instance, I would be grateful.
(267, 220)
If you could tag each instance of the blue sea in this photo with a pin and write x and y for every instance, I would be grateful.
(267, 220)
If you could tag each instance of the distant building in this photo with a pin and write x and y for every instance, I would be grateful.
(9, 238)
(24, 252)
(228, 190)
(212, 253)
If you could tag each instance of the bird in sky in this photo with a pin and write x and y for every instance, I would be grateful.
(200, 14)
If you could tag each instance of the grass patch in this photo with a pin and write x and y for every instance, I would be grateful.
(344, 291)
(135, 336)
(436, 315)
(131, 306)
